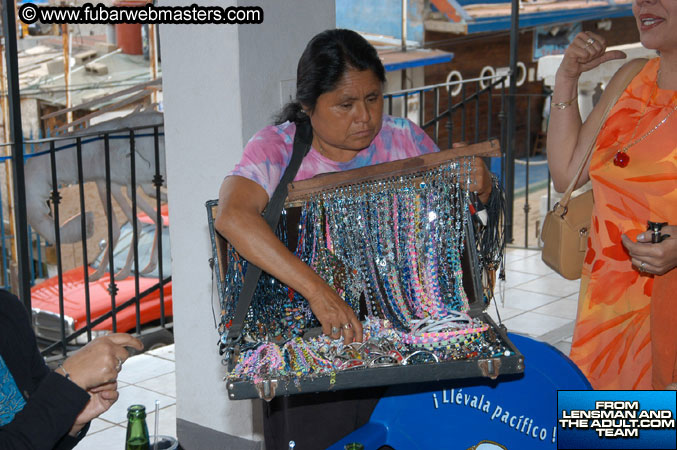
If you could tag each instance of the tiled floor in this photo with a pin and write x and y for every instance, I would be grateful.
(534, 301)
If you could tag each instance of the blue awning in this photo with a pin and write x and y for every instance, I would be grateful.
(502, 23)
(468, 16)
(413, 58)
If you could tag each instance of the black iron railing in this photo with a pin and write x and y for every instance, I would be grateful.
(56, 330)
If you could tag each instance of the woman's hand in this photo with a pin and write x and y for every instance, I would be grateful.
(99, 362)
(586, 51)
(336, 317)
(101, 399)
(658, 258)
(239, 220)
(481, 180)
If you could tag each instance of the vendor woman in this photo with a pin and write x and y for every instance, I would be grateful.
(339, 91)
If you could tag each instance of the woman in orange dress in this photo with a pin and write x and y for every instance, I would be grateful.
(626, 329)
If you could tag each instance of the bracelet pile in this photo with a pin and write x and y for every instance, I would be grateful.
(383, 346)
(455, 328)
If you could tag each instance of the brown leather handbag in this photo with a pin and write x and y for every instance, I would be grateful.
(567, 225)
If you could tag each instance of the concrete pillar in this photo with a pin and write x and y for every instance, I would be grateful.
(221, 83)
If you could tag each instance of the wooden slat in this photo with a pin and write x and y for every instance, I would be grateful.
(103, 99)
(301, 190)
(112, 107)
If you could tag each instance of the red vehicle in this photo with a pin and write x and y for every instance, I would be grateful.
(45, 296)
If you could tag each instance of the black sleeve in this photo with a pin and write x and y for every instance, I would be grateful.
(68, 442)
(53, 402)
(47, 417)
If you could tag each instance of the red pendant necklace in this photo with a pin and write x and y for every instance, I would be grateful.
(622, 159)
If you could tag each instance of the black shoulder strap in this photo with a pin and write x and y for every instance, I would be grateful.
(302, 141)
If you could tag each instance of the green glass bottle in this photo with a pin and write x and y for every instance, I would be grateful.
(137, 430)
(353, 446)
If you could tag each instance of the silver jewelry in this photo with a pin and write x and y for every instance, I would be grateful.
(347, 326)
(589, 41)
(335, 330)
(66, 374)
(642, 267)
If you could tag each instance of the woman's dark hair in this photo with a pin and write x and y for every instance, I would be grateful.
(325, 60)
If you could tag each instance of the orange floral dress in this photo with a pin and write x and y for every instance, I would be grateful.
(612, 337)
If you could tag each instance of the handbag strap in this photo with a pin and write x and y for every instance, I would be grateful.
(636, 67)
(303, 139)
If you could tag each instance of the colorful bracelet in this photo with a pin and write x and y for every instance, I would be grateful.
(432, 340)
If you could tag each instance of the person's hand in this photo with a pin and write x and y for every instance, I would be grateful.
(481, 180)
(586, 51)
(658, 258)
(99, 362)
(101, 399)
(336, 317)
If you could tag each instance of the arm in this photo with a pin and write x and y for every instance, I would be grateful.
(57, 409)
(52, 402)
(568, 138)
(95, 368)
(47, 417)
(238, 219)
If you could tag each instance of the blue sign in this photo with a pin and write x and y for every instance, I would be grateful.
(516, 412)
(616, 419)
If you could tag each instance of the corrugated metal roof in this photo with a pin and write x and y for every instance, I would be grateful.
(36, 81)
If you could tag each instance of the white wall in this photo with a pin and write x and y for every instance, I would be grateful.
(221, 83)
(415, 78)
(269, 54)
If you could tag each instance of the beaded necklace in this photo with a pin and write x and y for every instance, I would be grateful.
(383, 240)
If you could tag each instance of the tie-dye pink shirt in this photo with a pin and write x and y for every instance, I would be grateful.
(268, 153)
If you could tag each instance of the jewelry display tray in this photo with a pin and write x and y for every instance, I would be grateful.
(492, 367)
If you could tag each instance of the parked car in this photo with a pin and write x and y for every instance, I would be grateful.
(45, 296)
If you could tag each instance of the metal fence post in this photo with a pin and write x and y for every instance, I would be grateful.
(16, 136)
(512, 111)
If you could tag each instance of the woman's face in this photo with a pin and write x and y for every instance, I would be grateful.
(348, 118)
(657, 23)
